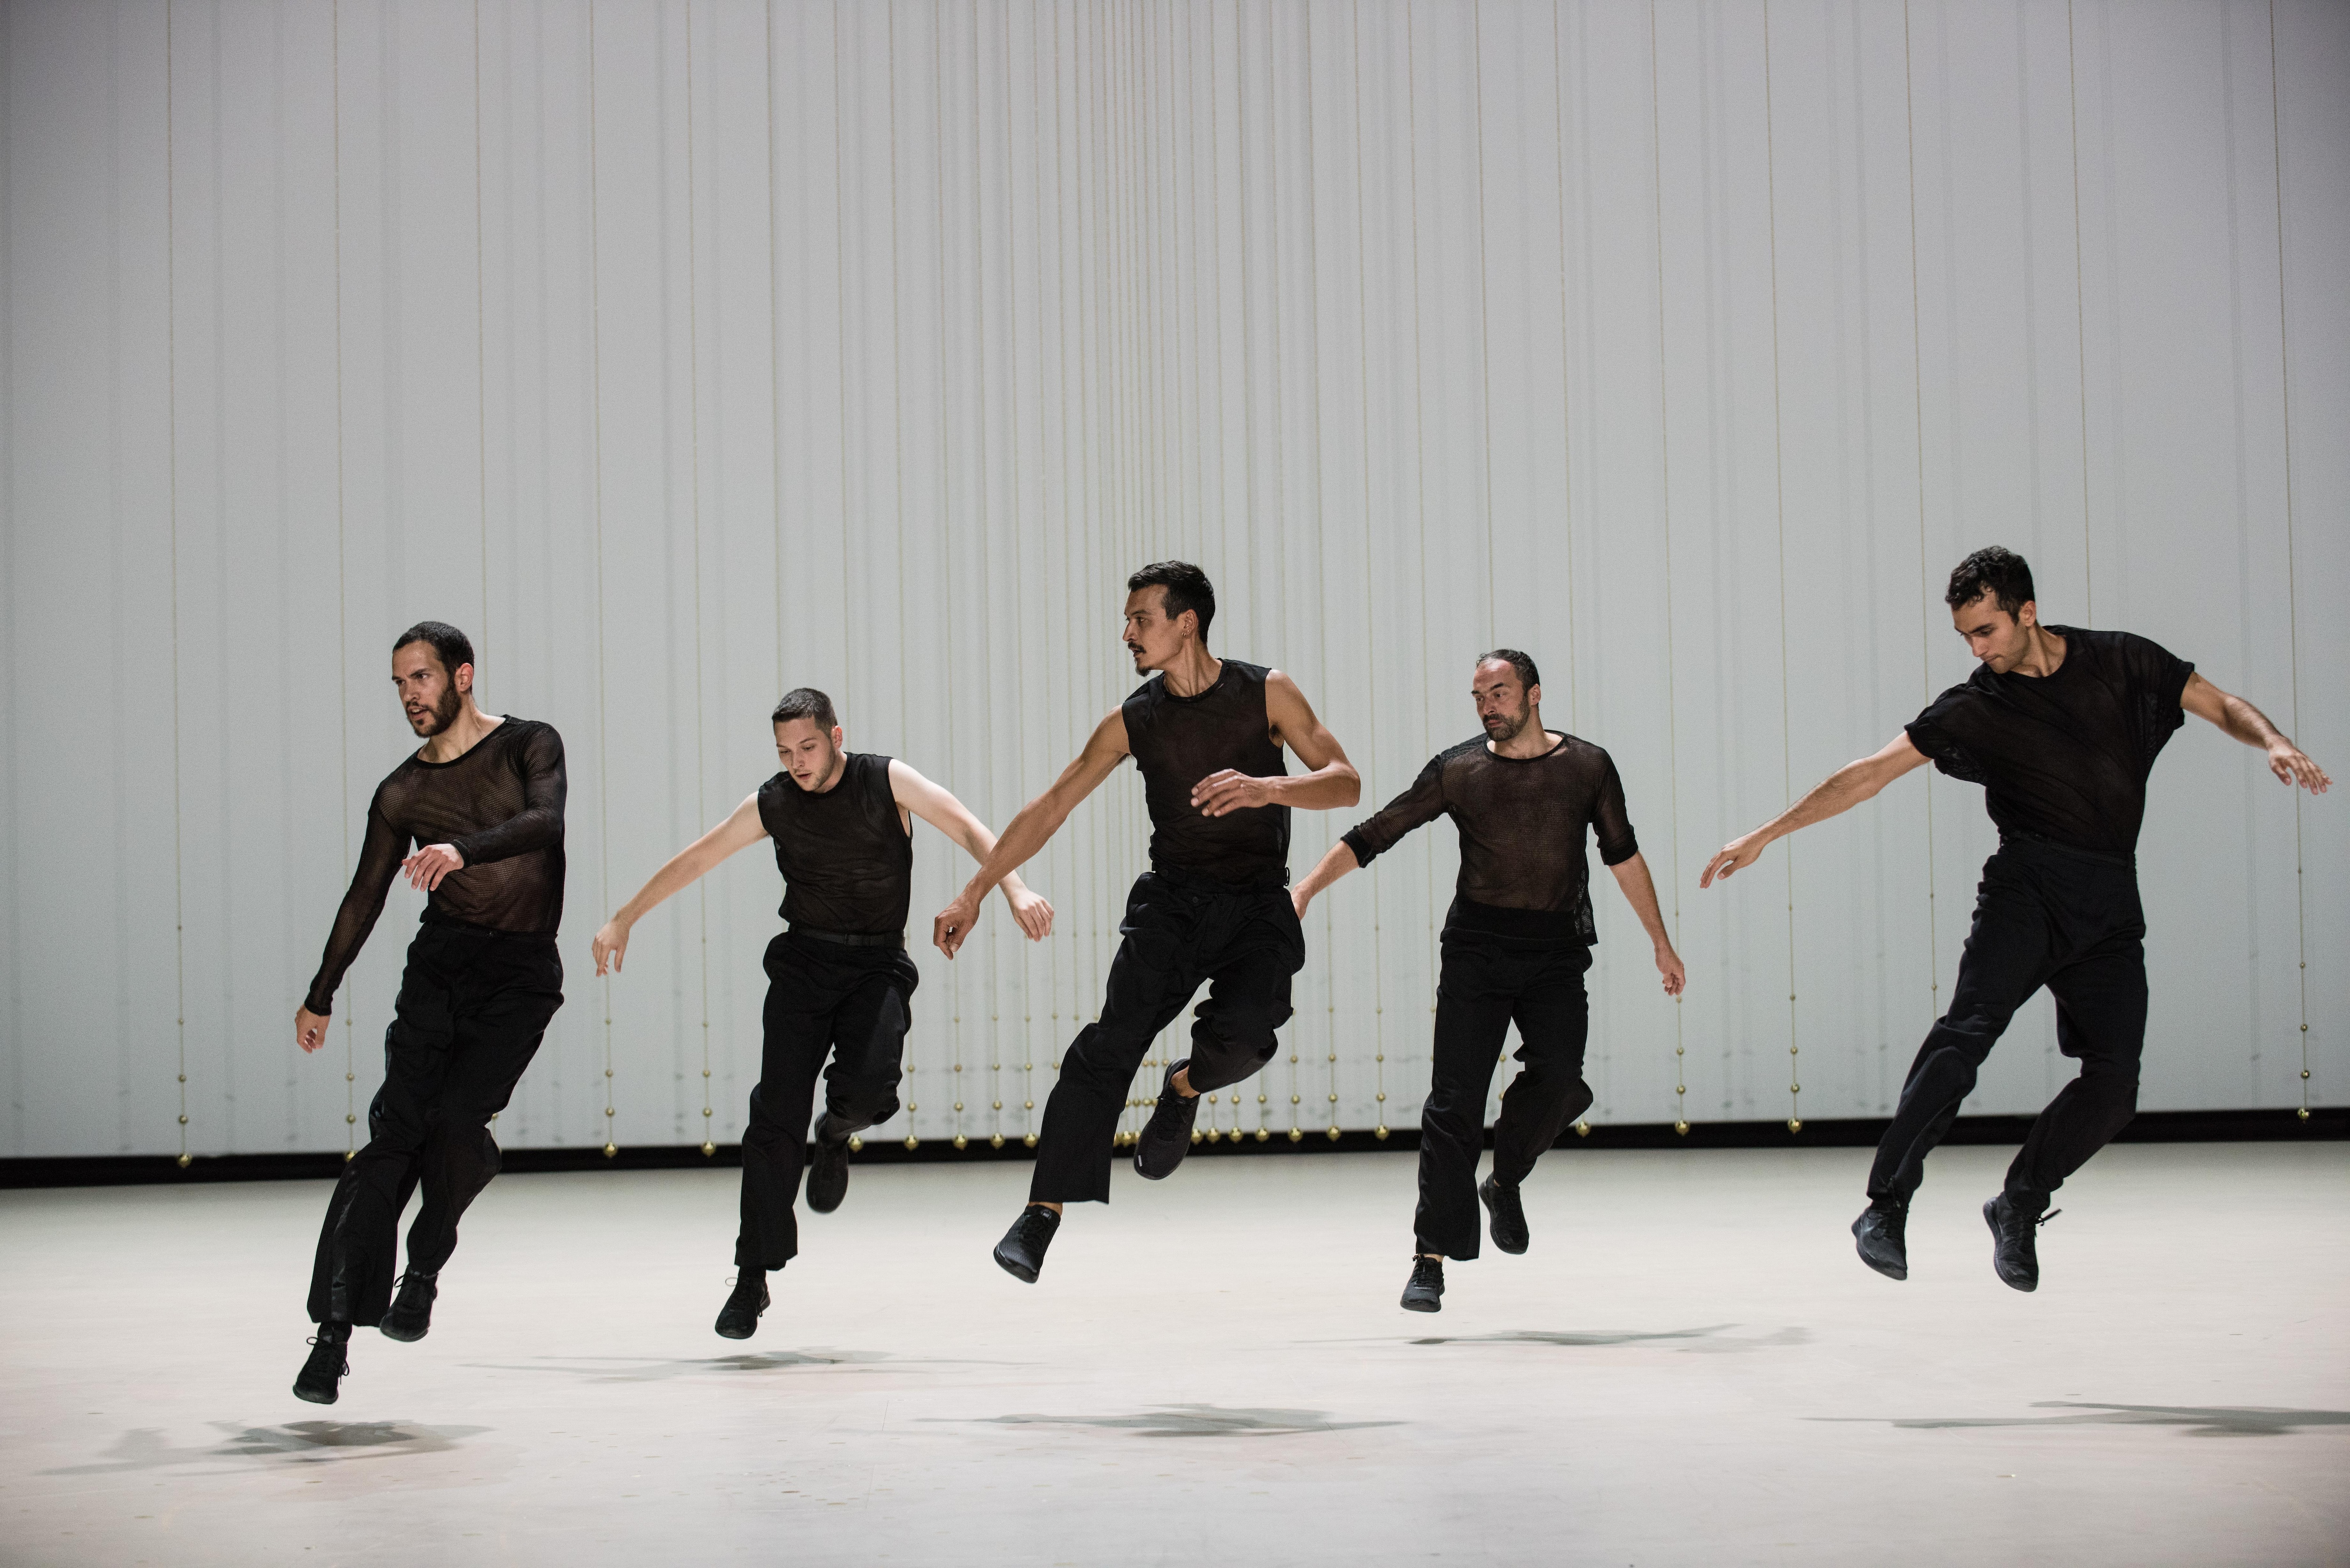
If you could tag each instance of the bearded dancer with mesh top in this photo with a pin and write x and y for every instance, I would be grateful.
(483, 803)
(2061, 726)
(1206, 734)
(1517, 943)
(838, 981)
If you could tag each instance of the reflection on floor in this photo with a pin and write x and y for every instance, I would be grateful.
(1689, 1366)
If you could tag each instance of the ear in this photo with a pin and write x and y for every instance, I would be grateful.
(839, 737)
(463, 679)
(1533, 695)
(2027, 613)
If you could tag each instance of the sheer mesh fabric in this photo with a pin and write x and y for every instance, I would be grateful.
(1178, 741)
(500, 806)
(2064, 757)
(1523, 824)
(847, 861)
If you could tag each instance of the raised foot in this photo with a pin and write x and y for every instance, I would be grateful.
(1426, 1291)
(411, 1318)
(738, 1318)
(321, 1376)
(1507, 1214)
(1020, 1253)
(1880, 1236)
(1166, 1137)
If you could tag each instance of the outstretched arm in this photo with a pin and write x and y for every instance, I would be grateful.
(942, 811)
(741, 829)
(1640, 892)
(1030, 831)
(2250, 725)
(1839, 792)
(1330, 781)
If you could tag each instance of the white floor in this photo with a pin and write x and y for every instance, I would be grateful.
(1689, 1367)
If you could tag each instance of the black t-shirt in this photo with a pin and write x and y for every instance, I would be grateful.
(1178, 741)
(846, 859)
(500, 805)
(1523, 822)
(2062, 757)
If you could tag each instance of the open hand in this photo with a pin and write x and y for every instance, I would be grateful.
(953, 926)
(1030, 909)
(1733, 855)
(611, 945)
(1229, 790)
(309, 1029)
(429, 865)
(2291, 764)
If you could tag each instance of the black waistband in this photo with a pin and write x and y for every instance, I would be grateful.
(1551, 925)
(433, 916)
(1200, 882)
(852, 940)
(2032, 844)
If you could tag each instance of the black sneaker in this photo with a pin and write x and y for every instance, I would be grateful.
(1507, 1214)
(738, 1318)
(827, 1177)
(319, 1379)
(1166, 1137)
(411, 1318)
(2014, 1238)
(1881, 1237)
(1020, 1253)
(1426, 1292)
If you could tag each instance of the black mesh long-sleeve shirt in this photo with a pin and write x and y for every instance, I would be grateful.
(1522, 823)
(500, 806)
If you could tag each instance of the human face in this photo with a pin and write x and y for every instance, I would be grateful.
(810, 755)
(1154, 639)
(428, 694)
(1504, 706)
(2000, 640)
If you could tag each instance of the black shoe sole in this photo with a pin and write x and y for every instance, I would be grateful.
(1014, 1267)
(400, 1332)
(1422, 1304)
(317, 1396)
(1890, 1271)
(734, 1333)
(1492, 1228)
(1990, 1218)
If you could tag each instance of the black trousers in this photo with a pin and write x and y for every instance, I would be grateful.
(1178, 931)
(823, 998)
(1486, 984)
(2044, 915)
(474, 1005)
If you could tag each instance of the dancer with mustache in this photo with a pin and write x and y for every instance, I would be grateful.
(482, 801)
(1516, 944)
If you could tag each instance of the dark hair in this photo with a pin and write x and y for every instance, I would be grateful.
(1187, 586)
(1991, 570)
(1528, 676)
(806, 703)
(449, 645)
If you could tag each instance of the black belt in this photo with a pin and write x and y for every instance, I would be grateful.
(849, 939)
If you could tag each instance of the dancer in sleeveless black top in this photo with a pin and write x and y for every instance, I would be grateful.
(838, 980)
(1517, 942)
(483, 803)
(1208, 735)
(2062, 727)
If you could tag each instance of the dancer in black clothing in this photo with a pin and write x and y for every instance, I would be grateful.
(483, 803)
(838, 980)
(1208, 735)
(1516, 944)
(2062, 727)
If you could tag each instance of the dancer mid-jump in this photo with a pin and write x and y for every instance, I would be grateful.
(1208, 735)
(482, 802)
(838, 981)
(2062, 727)
(1517, 942)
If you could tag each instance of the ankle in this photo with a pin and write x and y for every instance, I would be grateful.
(1052, 1209)
(332, 1332)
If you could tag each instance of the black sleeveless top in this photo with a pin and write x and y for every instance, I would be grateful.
(1178, 741)
(847, 863)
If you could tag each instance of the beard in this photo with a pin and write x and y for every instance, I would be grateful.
(1505, 727)
(441, 715)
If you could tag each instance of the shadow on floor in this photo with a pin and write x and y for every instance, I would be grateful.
(145, 1448)
(646, 1369)
(1714, 1340)
(1192, 1421)
(2200, 1421)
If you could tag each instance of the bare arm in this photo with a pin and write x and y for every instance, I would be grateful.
(1337, 863)
(1330, 781)
(741, 829)
(1032, 829)
(941, 810)
(2247, 723)
(1640, 892)
(1838, 793)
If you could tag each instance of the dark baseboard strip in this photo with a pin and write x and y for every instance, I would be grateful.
(2151, 1127)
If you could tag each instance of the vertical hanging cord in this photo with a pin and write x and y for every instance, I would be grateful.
(1565, 384)
(1037, 174)
(2080, 322)
(1019, 568)
(1419, 442)
(987, 658)
(1925, 584)
(342, 598)
(898, 451)
(172, 420)
(1484, 306)
(596, 394)
(693, 433)
(1665, 468)
(1322, 617)
(1370, 576)
(1779, 471)
(481, 338)
(2292, 585)
(946, 504)
(775, 350)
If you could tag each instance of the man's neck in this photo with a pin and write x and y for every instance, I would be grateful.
(1193, 671)
(463, 734)
(2044, 653)
(840, 769)
(1533, 741)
